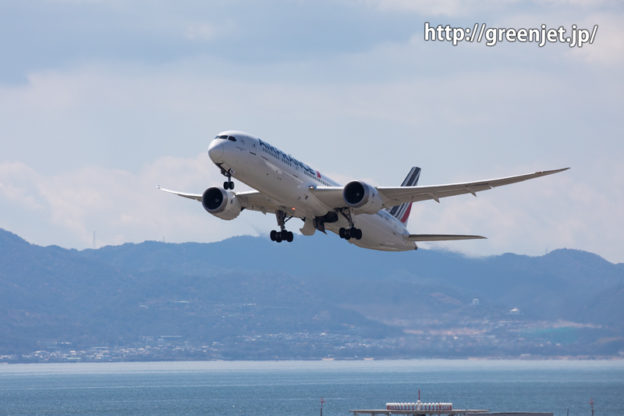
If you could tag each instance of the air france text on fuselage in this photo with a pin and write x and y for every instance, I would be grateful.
(291, 161)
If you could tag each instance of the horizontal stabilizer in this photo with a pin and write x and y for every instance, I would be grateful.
(442, 237)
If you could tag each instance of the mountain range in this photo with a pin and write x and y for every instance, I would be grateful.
(249, 298)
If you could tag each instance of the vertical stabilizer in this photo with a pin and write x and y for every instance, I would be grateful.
(401, 212)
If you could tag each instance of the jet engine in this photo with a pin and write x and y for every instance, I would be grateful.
(221, 203)
(362, 197)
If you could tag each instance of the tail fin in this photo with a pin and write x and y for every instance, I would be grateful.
(401, 212)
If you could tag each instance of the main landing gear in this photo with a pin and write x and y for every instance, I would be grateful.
(283, 234)
(351, 232)
(228, 174)
(279, 236)
(228, 185)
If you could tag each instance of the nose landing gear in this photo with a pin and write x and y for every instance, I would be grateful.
(228, 174)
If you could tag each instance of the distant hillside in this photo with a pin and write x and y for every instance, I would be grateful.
(249, 298)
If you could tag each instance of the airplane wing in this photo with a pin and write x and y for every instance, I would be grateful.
(442, 237)
(197, 197)
(332, 195)
(251, 200)
(256, 201)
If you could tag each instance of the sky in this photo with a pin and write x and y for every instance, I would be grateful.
(102, 100)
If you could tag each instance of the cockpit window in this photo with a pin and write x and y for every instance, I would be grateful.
(226, 137)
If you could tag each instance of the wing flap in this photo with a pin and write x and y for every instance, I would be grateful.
(329, 195)
(256, 201)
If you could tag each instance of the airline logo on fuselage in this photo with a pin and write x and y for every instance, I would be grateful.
(288, 159)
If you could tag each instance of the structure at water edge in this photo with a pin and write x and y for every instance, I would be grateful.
(434, 409)
(419, 408)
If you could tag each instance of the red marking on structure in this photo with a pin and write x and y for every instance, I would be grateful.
(318, 174)
(406, 215)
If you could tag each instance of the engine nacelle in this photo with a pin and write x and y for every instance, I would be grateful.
(362, 197)
(221, 203)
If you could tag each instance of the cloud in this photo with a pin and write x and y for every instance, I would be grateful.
(85, 138)
(608, 48)
(143, 31)
(490, 9)
(584, 3)
(201, 31)
(120, 206)
(448, 8)
(16, 185)
(457, 126)
(533, 217)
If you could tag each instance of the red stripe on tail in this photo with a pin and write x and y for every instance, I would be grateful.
(407, 212)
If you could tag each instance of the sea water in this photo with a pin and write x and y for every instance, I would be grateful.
(296, 387)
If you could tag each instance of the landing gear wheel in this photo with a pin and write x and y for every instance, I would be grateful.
(279, 236)
(348, 233)
(283, 234)
(356, 233)
(228, 174)
(289, 236)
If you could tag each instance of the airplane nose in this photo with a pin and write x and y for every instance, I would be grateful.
(215, 151)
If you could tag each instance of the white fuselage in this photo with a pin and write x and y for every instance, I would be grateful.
(289, 181)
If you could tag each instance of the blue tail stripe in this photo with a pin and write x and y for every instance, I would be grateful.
(410, 180)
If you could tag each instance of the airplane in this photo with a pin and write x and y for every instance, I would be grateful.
(372, 217)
